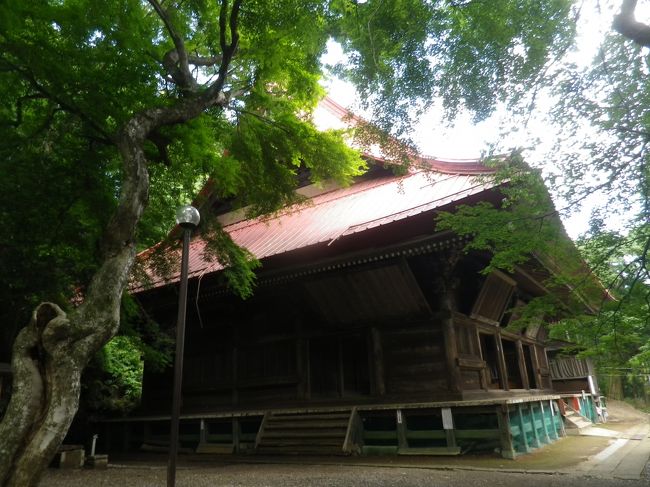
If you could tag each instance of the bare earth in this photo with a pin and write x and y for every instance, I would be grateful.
(577, 461)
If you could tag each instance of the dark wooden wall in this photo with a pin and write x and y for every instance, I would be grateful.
(400, 330)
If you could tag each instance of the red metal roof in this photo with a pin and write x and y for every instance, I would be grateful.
(344, 211)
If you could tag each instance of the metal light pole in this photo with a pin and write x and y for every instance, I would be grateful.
(187, 217)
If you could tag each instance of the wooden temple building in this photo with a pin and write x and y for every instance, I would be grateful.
(370, 331)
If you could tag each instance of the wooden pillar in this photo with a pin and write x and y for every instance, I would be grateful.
(108, 437)
(235, 435)
(483, 373)
(302, 368)
(501, 362)
(535, 359)
(340, 365)
(235, 375)
(126, 437)
(203, 432)
(522, 364)
(377, 362)
(448, 426)
(307, 364)
(505, 433)
(146, 432)
(446, 283)
(454, 380)
(302, 365)
(400, 423)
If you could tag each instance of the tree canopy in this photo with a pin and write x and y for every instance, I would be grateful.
(600, 160)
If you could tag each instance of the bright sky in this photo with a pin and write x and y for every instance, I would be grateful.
(467, 140)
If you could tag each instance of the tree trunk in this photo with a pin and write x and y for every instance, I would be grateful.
(47, 370)
(52, 351)
(49, 355)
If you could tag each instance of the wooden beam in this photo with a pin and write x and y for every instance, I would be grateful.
(352, 433)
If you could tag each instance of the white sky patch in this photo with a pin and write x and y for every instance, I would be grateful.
(465, 140)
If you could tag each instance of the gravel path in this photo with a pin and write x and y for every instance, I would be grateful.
(319, 476)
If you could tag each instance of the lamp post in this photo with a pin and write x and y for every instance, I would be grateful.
(187, 217)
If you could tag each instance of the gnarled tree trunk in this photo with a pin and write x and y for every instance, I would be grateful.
(50, 354)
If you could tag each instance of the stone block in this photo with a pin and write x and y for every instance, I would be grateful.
(70, 456)
(97, 461)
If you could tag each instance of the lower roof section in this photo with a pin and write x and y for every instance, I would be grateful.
(328, 218)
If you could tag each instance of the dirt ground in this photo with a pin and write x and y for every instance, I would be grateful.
(555, 464)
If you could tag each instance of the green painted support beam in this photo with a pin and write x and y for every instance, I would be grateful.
(545, 436)
(530, 415)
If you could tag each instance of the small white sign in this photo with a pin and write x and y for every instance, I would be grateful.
(399, 416)
(447, 419)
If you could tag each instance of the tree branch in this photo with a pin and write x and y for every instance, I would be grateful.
(175, 61)
(227, 50)
(67, 106)
(626, 24)
(204, 60)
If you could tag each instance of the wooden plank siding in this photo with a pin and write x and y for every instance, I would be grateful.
(414, 361)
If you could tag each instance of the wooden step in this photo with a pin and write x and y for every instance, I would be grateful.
(302, 441)
(317, 433)
(574, 422)
(309, 417)
(306, 434)
(272, 424)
